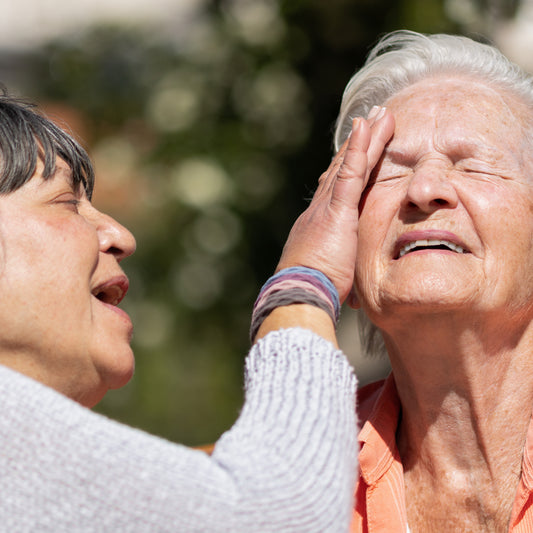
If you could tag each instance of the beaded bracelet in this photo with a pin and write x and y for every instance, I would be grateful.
(295, 285)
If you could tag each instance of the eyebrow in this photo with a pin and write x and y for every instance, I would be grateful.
(68, 174)
(461, 148)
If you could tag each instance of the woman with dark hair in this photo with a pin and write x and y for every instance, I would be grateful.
(288, 463)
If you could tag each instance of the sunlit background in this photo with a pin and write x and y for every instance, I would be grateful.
(209, 122)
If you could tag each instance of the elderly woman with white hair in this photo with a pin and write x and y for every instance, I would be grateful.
(444, 273)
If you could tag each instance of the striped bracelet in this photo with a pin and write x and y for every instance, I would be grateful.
(295, 285)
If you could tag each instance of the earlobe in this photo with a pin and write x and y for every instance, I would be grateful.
(353, 300)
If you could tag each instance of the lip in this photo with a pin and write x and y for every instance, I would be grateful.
(111, 292)
(429, 234)
(116, 310)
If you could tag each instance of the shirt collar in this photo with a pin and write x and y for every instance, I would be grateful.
(378, 436)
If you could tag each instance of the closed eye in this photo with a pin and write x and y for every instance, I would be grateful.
(68, 199)
(72, 204)
(474, 167)
(491, 164)
(385, 174)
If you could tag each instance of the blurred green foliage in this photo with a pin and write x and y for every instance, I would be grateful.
(207, 147)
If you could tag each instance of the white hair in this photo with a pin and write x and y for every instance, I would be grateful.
(403, 58)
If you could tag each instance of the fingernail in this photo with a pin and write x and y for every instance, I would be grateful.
(381, 113)
(373, 112)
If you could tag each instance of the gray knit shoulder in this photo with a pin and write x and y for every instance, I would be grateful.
(288, 463)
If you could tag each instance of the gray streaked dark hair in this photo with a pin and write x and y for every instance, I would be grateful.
(403, 58)
(26, 136)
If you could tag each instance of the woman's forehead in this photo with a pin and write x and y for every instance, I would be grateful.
(61, 171)
(462, 109)
(456, 89)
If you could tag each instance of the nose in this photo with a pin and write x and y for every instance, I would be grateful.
(431, 188)
(113, 237)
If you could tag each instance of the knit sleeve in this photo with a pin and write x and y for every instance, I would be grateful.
(287, 464)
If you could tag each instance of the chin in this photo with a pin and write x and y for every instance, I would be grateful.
(101, 374)
(93, 398)
(96, 395)
(117, 370)
(122, 378)
(121, 372)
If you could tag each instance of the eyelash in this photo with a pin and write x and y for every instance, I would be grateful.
(391, 177)
(398, 174)
(73, 202)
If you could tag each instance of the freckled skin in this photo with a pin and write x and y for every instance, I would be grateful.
(457, 165)
(457, 327)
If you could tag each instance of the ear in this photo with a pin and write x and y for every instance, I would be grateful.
(353, 299)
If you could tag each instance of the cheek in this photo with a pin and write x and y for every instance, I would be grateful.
(504, 222)
(62, 253)
(375, 217)
(74, 239)
(511, 242)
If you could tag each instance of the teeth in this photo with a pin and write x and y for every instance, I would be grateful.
(430, 242)
(111, 295)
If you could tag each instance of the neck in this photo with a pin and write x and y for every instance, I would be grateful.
(466, 388)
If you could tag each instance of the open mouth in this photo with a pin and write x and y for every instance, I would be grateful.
(111, 295)
(112, 292)
(429, 244)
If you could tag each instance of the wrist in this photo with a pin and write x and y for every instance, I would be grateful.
(299, 316)
(292, 287)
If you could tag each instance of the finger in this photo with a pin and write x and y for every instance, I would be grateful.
(382, 124)
(326, 180)
(354, 161)
(374, 115)
(350, 179)
(382, 130)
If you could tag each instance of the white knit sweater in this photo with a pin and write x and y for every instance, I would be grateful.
(287, 465)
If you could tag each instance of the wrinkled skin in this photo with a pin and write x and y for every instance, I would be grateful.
(57, 253)
(325, 235)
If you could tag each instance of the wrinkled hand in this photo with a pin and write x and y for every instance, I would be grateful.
(324, 237)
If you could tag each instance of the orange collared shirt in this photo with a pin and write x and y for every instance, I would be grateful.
(380, 492)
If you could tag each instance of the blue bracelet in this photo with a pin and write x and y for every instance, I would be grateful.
(264, 306)
(320, 276)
